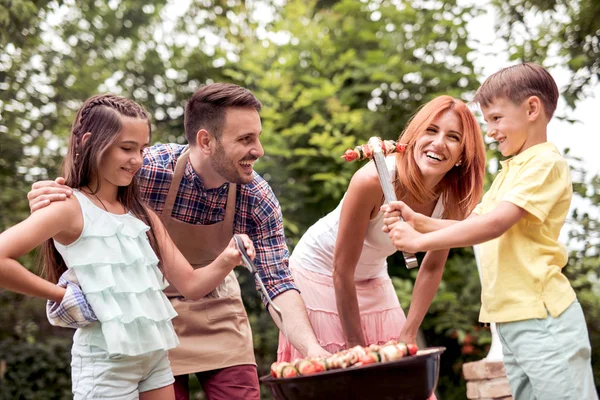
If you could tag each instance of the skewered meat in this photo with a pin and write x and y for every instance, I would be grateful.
(356, 356)
(364, 151)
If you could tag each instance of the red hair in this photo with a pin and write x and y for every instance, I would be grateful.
(462, 187)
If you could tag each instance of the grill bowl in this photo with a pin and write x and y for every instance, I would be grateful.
(410, 378)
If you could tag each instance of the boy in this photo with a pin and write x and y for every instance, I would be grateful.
(547, 352)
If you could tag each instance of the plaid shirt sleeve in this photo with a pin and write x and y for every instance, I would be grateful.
(268, 236)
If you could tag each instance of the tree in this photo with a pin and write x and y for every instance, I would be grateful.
(555, 33)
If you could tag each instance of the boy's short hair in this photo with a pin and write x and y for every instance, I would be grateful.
(206, 108)
(518, 82)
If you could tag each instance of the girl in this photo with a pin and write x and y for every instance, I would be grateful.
(118, 250)
(340, 262)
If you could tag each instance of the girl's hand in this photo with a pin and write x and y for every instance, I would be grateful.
(395, 211)
(232, 256)
(405, 238)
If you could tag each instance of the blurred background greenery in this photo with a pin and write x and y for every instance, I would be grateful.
(330, 73)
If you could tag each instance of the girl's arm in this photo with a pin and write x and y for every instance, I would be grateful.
(426, 286)
(62, 220)
(196, 283)
(363, 198)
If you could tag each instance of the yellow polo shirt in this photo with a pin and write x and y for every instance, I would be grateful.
(521, 270)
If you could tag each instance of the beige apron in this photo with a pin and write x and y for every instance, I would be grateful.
(214, 331)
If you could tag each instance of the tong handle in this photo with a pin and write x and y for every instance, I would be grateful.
(242, 248)
(249, 264)
(410, 260)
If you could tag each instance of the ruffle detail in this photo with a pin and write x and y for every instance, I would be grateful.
(118, 272)
(107, 225)
(137, 277)
(126, 307)
(118, 250)
(140, 336)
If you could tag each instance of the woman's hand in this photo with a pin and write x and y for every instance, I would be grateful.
(397, 210)
(232, 256)
(407, 337)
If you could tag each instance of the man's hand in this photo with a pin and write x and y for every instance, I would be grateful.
(43, 193)
(404, 237)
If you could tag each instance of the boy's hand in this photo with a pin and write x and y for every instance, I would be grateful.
(396, 210)
(43, 193)
(404, 237)
(232, 256)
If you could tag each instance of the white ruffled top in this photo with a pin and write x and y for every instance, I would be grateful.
(118, 272)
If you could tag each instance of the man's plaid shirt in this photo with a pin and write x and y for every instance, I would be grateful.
(257, 211)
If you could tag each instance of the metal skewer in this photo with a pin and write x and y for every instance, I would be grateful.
(249, 264)
(388, 188)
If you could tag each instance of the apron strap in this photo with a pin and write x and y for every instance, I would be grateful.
(230, 208)
(174, 188)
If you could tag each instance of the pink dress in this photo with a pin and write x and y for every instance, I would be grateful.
(311, 264)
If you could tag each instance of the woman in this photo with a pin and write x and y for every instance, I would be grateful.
(340, 262)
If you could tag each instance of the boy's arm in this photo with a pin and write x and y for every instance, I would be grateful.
(472, 231)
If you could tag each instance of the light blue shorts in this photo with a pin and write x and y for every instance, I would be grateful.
(96, 375)
(547, 359)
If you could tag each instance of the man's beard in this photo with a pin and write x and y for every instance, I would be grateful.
(226, 167)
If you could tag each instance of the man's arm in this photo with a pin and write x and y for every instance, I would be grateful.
(472, 231)
(272, 264)
(296, 327)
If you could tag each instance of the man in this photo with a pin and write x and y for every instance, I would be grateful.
(205, 192)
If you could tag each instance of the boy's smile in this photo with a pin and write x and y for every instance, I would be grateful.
(508, 124)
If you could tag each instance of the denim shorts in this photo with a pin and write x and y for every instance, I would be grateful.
(96, 374)
(549, 358)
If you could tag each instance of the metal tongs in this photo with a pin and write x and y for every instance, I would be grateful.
(388, 188)
(249, 264)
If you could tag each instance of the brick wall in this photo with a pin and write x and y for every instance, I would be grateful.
(486, 380)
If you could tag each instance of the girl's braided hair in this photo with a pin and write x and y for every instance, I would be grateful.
(102, 116)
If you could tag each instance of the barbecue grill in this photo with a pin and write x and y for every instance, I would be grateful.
(410, 378)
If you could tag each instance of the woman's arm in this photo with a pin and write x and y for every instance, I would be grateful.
(196, 283)
(60, 220)
(363, 198)
(426, 286)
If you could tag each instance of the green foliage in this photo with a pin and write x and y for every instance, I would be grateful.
(338, 76)
(35, 370)
(555, 32)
